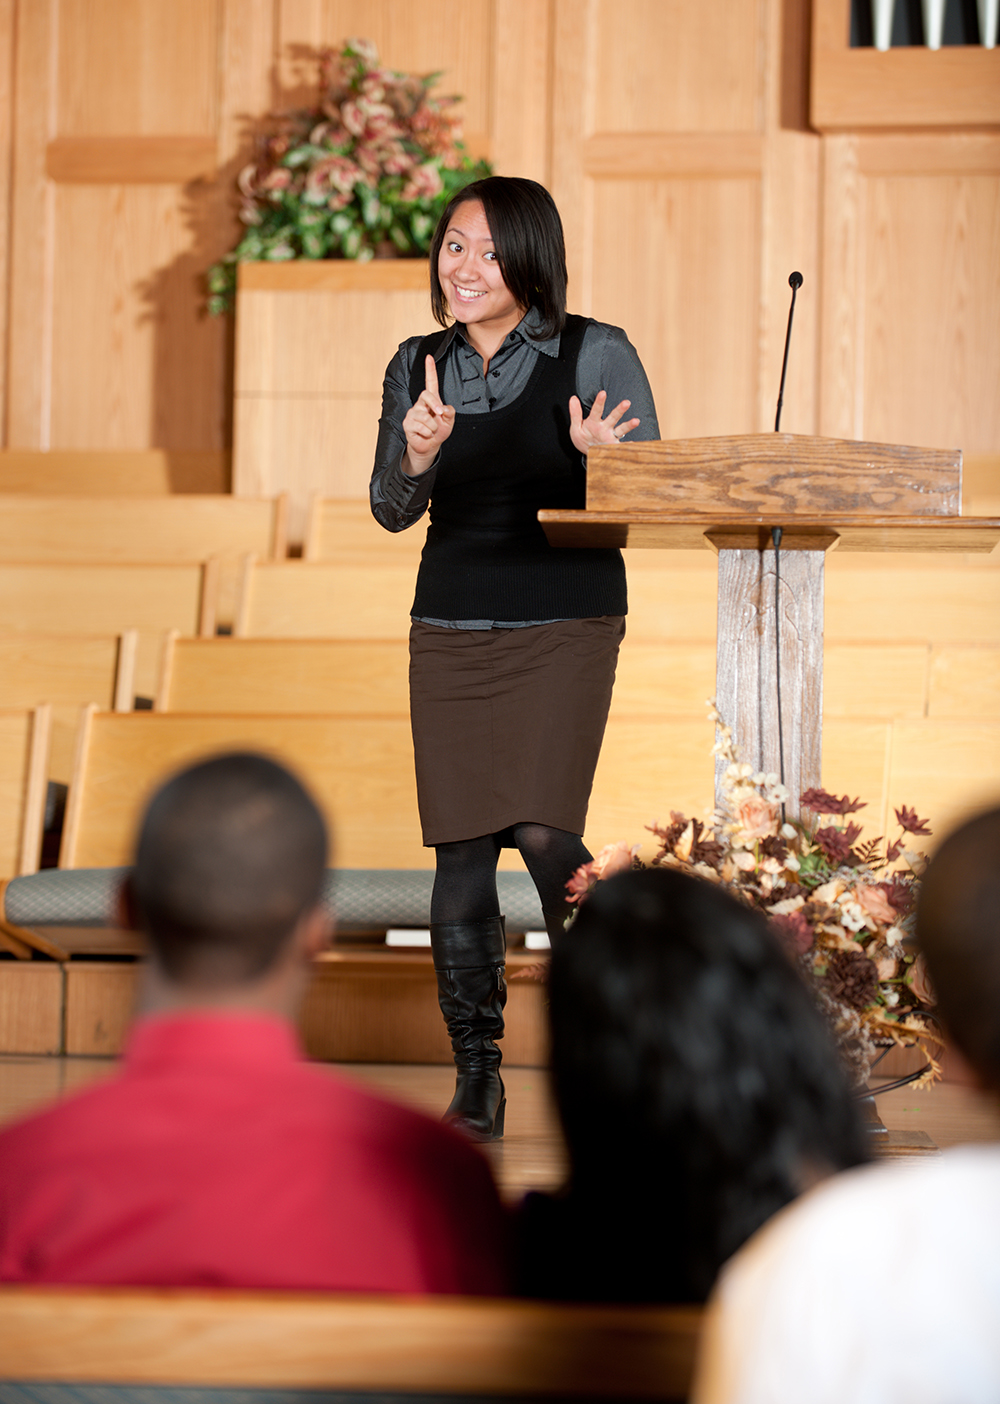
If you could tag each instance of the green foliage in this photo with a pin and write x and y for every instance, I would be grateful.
(367, 172)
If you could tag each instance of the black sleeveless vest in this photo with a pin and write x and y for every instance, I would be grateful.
(486, 556)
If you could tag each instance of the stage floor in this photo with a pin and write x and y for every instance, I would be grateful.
(532, 1155)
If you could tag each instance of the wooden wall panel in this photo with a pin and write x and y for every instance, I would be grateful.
(661, 240)
(910, 339)
(157, 76)
(453, 35)
(668, 65)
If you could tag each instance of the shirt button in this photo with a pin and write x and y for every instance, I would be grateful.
(492, 402)
(494, 373)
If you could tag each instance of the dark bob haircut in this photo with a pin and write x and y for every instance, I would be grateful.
(697, 1084)
(528, 238)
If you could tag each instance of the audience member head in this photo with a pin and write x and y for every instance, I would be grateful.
(958, 929)
(695, 1079)
(229, 865)
(528, 238)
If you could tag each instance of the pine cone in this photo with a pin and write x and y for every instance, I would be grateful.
(851, 978)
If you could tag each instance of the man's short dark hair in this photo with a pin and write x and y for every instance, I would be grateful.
(958, 928)
(231, 855)
(528, 237)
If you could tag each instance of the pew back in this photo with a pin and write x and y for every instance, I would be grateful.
(24, 748)
(333, 676)
(191, 527)
(356, 599)
(109, 599)
(341, 528)
(67, 671)
(124, 472)
(390, 1346)
(360, 769)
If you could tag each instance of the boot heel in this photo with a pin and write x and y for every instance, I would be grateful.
(498, 1120)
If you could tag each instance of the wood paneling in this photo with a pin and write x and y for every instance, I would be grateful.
(911, 325)
(130, 160)
(31, 1002)
(289, 1342)
(308, 396)
(687, 65)
(902, 87)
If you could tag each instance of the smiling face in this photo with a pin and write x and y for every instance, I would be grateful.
(469, 272)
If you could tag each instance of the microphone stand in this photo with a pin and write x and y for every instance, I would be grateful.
(794, 282)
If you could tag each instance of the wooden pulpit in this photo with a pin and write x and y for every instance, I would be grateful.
(728, 495)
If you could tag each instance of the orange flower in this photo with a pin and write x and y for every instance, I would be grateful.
(756, 818)
(920, 982)
(876, 904)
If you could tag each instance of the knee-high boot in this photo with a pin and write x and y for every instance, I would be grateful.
(472, 992)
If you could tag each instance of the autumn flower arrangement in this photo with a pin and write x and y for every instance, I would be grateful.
(843, 909)
(366, 172)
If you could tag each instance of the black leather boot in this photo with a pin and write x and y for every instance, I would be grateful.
(472, 992)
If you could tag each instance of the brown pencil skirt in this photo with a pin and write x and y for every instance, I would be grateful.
(508, 724)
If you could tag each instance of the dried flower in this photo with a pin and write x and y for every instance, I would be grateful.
(841, 909)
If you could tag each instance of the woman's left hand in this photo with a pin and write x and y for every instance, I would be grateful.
(588, 433)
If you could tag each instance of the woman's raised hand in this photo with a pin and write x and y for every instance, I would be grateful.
(588, 433)
(426, 424)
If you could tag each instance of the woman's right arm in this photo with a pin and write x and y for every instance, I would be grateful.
(397, 499)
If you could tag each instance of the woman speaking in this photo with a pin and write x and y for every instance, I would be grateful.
(513, 643)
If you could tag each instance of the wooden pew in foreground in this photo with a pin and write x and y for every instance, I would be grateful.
(392, 1347)
(360, 769)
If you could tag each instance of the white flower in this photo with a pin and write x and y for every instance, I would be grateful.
(744, 861)
(830, 891)
(851, 913)
(789, 905)
(894, 935)
(791, 862)
(788, 831)
(891, 997)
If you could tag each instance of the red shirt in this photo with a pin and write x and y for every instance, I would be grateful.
(218, 1157)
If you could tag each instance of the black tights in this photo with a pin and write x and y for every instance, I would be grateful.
(465, 884)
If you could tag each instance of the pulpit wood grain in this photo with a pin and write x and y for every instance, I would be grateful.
(775, 473)
(746, 675)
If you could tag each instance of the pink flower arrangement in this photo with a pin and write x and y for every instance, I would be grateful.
(364, 173)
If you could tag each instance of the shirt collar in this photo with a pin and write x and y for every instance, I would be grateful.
(523, 332)
(209, 1039)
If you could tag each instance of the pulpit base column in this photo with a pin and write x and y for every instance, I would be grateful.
(746, 673)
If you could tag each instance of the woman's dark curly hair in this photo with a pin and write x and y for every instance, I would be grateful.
(696, 1082)
(528, 238)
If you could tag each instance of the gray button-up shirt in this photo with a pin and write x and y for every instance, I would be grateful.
(608, 361)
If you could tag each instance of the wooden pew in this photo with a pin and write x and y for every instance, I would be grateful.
(68, 671)
(189, 527)
(332, 676)
(356, 599)
(123, 472)
(360, 769)
(109, 599)
(24, 752)
(393, 1347)
(343, 528)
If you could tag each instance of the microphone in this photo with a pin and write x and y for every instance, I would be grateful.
(794, 282)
